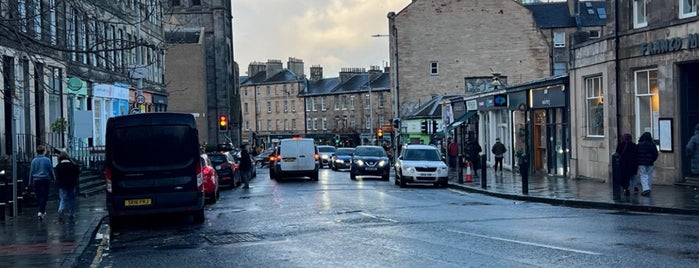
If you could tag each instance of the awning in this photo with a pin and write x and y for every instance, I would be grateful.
(459, 121)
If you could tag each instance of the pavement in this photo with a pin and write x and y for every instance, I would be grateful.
(27, 242)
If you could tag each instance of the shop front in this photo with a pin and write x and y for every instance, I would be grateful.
(550, 130)
(108, 101)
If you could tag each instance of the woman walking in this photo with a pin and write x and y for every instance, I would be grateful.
(67, 174)
(627, 152)
(647, 154)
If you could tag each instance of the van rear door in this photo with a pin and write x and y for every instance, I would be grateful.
(297, 155)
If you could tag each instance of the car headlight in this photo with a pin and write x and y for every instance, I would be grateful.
(325, 156)
(382, 163)
(359, 162)
(443, 168)
(410, 169)
(339, 161)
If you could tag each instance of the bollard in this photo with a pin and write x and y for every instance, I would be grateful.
(3, 209)
(616, 177)
(524, 172)
(460, 169)
(20, 200)
(484, 166)
(12, 211)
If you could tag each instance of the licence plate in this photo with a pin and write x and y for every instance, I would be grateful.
(425, 174)
(371, 169)
(289, 159)
(137, 202)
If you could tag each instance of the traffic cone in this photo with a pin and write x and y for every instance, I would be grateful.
(469, 176)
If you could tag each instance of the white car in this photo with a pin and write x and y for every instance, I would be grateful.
(421, 164)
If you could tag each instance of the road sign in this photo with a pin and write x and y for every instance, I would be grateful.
(140, 99)
(138, 71)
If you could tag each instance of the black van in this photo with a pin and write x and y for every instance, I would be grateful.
(152, 165)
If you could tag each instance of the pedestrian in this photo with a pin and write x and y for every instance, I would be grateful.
(245, 165)
(499, 152)
(693, 150)
(67, 175)
(452, 152)
(473, 150)
(40, 176)
(647, 154)
(628, 161)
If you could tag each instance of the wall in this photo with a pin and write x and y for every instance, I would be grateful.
(186, 84)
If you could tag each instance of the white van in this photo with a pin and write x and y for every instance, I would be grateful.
(295, 157)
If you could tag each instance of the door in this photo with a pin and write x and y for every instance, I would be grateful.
(689, 91)
(540, 141)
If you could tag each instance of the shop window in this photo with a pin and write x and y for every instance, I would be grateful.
(595, 106)
(688, 8)
(647, 102)
(640, 15)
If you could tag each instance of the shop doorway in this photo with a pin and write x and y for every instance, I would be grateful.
(689, 91)
(551, 142)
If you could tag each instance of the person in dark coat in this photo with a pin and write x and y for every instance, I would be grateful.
(473, 150)
(627, 152)
(245, 165)
(499, 152)
(693, 150)
(67, 175)
(647, 154)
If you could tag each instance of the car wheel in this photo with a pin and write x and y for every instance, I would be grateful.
(333, 168)
(402, 183)
(352, 176)
(198, 217)
(396, 178)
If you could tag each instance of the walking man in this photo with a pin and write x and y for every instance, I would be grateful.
(452, 151)
(40, 176)
(245, 165)
(647, 154)
(499, 152)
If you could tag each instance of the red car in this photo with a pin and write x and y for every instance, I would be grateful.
(226, 168)
(210, 180)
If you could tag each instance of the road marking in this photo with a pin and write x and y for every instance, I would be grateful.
(528, 243)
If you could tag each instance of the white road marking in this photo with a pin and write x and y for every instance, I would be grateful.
(528, 243)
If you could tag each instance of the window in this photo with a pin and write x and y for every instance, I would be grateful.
(353, 122)
(315, 123)
(594, 34)
(293, 106)
(640, 15)
(344, 102)
(276, 124)
(351, 104)
(688, 8)
(595, 106)
(324, 123)
(259, 125)
(647, 102)
(245, 92)
(257, 107)
(52, 22)
(322, 104)
(293, 124)
(276, 106)
(120, 52)
(269, 124)
(247, 125)
(314, 104)
(559, 68)
(37, 19)
(269, 106)
(381, 99)
(559, 39)
(286, 124)
(268, 90)
(286, 106)
(367, 121)
(70, 32)
(337, 103)
(257, 91)
(308, 124)
(367, 102)
(308, 104)
(434, 68)
(175, 3)
(245, 108)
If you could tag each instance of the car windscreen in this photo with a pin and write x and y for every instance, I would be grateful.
(369, 151)
(345, 151)
(326, 149)
(421, 155)
(218, 159)
(173, 146)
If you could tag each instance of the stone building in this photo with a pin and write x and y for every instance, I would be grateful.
(68, 67)
(212, 20)
(640, 76)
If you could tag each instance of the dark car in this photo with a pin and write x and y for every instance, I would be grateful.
(370, 161)
(262, 159)
(326, 153)
(342, 158)
(226, 167)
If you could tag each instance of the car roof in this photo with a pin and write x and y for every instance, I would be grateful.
(326, 146)
(419, 146)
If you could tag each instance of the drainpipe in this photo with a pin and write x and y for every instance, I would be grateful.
(617, 75)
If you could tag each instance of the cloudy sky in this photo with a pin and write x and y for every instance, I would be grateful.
(331, 33)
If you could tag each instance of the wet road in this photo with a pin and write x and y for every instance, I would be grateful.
(337, 222)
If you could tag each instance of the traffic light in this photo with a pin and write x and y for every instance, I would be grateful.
(434, 126)
(423, 127)
(379, 133)
(222, 123)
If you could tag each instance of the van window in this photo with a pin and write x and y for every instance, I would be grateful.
(139, 150)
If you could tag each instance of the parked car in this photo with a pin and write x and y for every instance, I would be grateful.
(326, 153)
(227, 168)
(211, 190)
(370, 161)
(342, 158)
(296, 157)
(153, 166)
(421, 164)
(262, 159)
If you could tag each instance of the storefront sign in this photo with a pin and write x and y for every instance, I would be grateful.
(549, 97)
(669, 45)
(472, 105)
(493, 102)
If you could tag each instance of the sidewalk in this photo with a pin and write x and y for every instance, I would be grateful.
(583, 193)
(27, 242)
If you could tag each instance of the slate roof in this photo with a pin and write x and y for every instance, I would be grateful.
(555, 15)
(327, 86)
(258, 78)
(322, 86)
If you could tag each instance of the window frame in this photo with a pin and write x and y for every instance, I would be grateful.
(636, 16)
(592, 81)
(434, 68)
(559, 39)
(637, 104)
(682, 14)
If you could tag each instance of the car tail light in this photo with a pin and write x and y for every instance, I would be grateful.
(108, 177)
(271, 158)
(279, 157)
(200, 177)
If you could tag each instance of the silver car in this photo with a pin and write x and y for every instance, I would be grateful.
(421, 164)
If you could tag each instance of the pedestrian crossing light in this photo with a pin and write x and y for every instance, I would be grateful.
(379, 133)
(222, 123)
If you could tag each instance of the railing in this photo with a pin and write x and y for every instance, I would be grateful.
(89, 157)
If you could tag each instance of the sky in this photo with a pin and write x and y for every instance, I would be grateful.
(334, 34)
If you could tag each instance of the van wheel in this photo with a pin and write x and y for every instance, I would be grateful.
(314, 177)
(198, 217)
(352, 176)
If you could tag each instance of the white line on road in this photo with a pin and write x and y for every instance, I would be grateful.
(528, 243)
